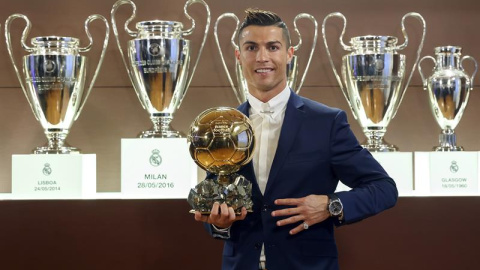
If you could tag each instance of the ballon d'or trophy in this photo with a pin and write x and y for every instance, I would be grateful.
(241, 89)
(448, 89)
(158, 65)
(373, 73)
(53, 80)
(221, 142)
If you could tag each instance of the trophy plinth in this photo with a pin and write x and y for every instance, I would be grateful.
(221, 142)
(448, 142)
(161, 129)
(376, 143)
(56, 144)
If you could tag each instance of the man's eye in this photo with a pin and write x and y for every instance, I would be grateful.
(251, 48)
(273, 48)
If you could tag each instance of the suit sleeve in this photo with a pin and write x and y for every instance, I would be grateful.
(372, 189)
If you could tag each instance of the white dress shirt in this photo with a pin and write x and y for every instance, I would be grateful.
(267, 121)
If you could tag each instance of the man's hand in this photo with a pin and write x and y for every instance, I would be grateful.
(221, 215)
(311, 210)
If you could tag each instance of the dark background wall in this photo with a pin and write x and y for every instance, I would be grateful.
(420, 233)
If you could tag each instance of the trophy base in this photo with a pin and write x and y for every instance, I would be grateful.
(161, 128)
(160, 134)
(382, 147)
(234, 190)
(56, 145)
(56, 150)
(451, 148)
(447, 140)
(208, 212)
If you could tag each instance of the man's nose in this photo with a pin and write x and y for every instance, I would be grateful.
(262, 55)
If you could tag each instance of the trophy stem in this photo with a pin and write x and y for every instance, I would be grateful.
(161, 128)
(448, 141)
(56, 143)
(376, 143)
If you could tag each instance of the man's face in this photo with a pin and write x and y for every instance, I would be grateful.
(263, 56)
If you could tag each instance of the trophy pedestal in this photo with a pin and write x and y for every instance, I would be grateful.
(399, 165)
(54, 176)
(234, 190)
(446, 173)
(376, 143)
(161, 128)
(448, 142)
(157, 168)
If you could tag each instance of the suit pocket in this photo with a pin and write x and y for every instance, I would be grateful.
(323, 248)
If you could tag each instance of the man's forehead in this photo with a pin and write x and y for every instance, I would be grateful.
(265, 34)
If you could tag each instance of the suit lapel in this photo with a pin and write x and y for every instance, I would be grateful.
(294, 116)
(245, 109)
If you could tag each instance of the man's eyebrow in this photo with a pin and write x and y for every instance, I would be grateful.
(248, 42)
(275, 42)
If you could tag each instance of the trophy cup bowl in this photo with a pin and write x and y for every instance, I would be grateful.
(241, 90)
(157, 62)
(53, 81)
(448, 89)
(373, 74)
(221, 142)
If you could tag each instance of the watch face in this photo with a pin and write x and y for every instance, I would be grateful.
(335, 208)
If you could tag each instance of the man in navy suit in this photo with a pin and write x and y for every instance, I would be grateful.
(303, 149)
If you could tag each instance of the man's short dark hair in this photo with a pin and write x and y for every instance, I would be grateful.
(258, 17)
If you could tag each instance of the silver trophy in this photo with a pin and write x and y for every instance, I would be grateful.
(448, 89)
(54, 75)
(373, 74)
(241, 90)
(158, 65)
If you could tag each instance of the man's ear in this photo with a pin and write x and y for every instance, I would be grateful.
(290, 52)
(237, 55)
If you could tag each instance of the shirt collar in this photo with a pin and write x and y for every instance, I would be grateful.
(277, 104)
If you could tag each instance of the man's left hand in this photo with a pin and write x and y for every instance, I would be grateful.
(311, 210)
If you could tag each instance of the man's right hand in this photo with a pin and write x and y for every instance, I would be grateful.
(221, 216)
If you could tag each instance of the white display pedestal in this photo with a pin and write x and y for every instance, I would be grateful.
(399, 165)
(56, 176)
(157, 168)
(446, 173)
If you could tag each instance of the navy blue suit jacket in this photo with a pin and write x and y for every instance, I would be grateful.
(316, 149)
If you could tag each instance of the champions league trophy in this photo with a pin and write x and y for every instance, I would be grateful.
(373, 74)
(448, 90)
(54, 81)
(292, 67)
(158, 65)
(221, 142)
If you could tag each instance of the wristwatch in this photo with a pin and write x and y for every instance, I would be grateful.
(335, 206)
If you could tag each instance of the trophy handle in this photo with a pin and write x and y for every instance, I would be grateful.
(401, 47)
(190, 31)
(424, 80)
(476, 67)
(296, 47)
(344, 46)
(90, 19)
(8, 40)
(232, 40)
(130, 33)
